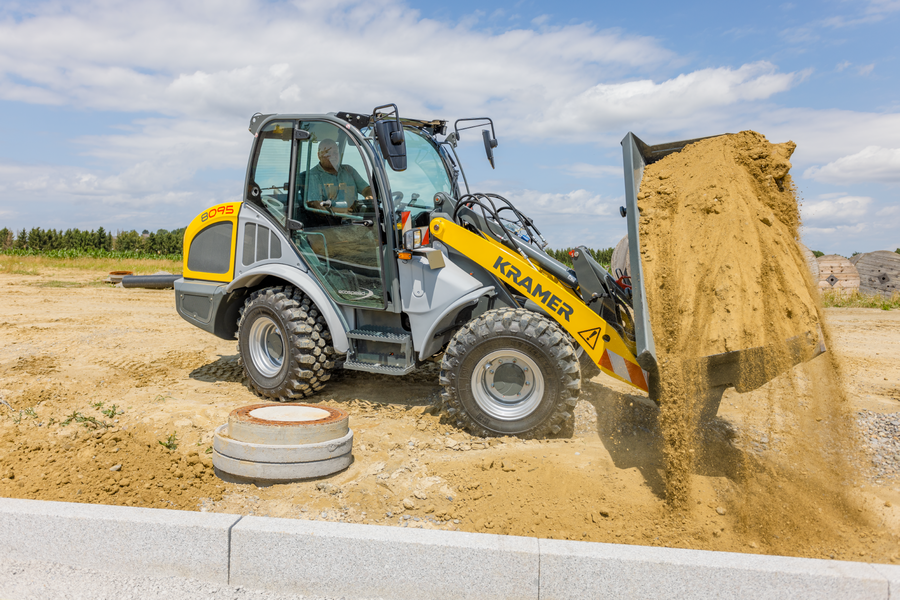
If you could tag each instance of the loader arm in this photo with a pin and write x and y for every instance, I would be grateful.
(600, 341)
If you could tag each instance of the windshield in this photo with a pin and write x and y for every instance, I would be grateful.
(425, 175)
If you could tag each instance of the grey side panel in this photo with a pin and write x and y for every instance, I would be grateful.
(503, 297)
(260, 242)
(427, 294)
(308, 285)
(634, 164)
(198, 301)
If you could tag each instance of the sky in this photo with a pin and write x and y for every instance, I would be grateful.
(133, 115)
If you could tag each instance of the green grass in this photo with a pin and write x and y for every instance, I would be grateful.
(18, 262)
(102, 254)
(171, 442)
(87, 421)
(836, 299)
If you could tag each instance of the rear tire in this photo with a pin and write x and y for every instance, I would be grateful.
(510, 372)
(284, 344)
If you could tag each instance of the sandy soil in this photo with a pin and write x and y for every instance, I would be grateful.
(68, 344)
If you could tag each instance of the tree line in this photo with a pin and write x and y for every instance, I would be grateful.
(602, 256)
(160, 242)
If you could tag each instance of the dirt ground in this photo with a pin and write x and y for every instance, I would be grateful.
(108, 396)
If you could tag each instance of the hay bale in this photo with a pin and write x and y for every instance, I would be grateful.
(879, 272)
(620, 259)
(837, 273)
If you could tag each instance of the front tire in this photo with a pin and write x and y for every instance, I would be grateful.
(284, 344)
(510, 372)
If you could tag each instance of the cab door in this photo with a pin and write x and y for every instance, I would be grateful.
(334, 198)
(313, 179)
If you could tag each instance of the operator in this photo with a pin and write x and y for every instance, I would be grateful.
(330, 180)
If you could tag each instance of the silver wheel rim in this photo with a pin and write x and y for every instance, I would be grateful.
(266, 347)
(507, 385)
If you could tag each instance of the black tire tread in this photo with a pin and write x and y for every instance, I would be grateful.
(313, 353)
(528, 325)
(589, 370)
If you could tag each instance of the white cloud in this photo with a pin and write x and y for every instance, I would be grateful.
(866, 69)
(871, 164)
(825, 135)
(235, 58)
(684, 101)
(847, 209)
(69, 197)
(592, 171)
(883, 6)
(840, 230)
(576, 202)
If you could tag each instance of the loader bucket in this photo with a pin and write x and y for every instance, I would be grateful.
(745, 369)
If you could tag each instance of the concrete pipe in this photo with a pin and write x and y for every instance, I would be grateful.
(275, 443)
(153, 282)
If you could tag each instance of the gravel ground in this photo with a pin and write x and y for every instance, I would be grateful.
(881, 431)
(45, 581)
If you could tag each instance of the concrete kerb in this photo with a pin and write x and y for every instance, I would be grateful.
(591, 570)
(372, 561)
(315, 557)
(137, 541)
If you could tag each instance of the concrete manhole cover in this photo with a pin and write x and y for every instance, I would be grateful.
(291, 414)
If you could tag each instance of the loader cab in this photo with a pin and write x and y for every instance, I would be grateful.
(346, 219)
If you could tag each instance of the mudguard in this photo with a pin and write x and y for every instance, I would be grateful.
(309, 286)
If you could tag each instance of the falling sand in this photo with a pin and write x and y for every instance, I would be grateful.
(724, 272)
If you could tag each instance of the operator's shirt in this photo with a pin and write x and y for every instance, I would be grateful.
(344, 186)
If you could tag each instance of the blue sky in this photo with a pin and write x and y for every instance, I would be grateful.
(134, 116)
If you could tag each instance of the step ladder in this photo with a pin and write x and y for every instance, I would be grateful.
(379, 349)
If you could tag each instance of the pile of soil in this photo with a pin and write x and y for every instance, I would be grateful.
(719, 246)
(724, 271)
(104, 465)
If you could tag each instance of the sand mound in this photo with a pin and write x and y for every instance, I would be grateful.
(722, 263)
(724, 271)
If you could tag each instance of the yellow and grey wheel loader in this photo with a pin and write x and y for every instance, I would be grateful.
(355, 247)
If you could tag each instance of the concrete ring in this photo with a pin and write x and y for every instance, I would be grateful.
(272, 453)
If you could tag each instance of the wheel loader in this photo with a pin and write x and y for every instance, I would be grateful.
(358, 245)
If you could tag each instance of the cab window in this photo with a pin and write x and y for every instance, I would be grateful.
(414, 189)
(270, 174)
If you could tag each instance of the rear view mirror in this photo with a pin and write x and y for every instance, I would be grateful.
(389, 134)
(489, 145)
(490, 138)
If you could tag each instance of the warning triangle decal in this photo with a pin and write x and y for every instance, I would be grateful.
(591, 336)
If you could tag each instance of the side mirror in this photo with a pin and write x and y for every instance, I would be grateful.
(490, 139)
(389, 134)
(489, 145)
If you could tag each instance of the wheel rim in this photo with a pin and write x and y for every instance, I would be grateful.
(507, 385)
(266, 346)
